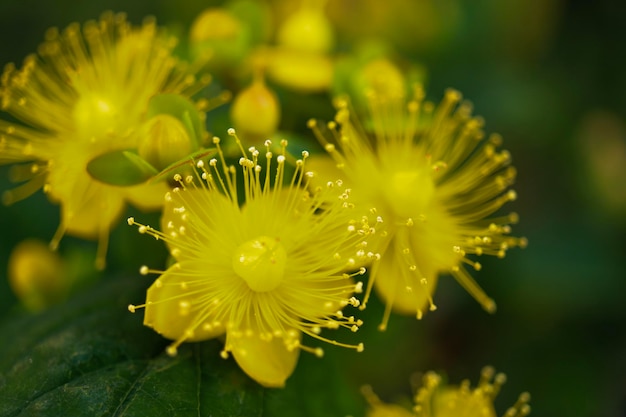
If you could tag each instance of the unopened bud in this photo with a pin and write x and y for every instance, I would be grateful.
(37, 275)
(166, 141)
(256, 110)
(218, 35)
(307, 30)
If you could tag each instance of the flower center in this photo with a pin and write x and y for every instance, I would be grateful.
(410, 192)
(261, 263)
(94, 115)
(452, 402)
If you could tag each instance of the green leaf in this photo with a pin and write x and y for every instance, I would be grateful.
(178, 166)
(91, 357)
(122, 168)
(320, 387)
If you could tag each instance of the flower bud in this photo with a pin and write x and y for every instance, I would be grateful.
(382, 77)
(165, 141)
(303, 71)
(256, 110)
(307, 30)
(37, 275)
(218, 35)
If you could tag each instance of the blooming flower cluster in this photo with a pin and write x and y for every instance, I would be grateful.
(270, 252)
(263, 271)
(434, 178)
(438, 399)
(85, 94)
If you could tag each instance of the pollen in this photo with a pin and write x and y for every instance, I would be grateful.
(85, 95)
(265, 259)
(438, 182)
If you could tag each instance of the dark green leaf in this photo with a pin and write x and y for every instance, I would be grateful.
(91, 357)
(178, 167)
(318, 388)
(122, 168)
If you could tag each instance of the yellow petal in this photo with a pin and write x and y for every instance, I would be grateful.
(404, 289)
(147, 196)
(324, 169)
(302, 71)
(89, 217)
(269, 363)
(175, 310)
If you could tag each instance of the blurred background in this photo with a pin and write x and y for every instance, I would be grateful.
(550, 76)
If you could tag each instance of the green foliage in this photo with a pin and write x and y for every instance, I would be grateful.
(121, 168)
(91, 357)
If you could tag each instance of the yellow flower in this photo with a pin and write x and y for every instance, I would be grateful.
(263, 271)
(84, 94)
(301, 59)
(435, 180)
(37, 275)
(434, 399)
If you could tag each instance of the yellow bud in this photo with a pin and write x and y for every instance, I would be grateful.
(214, 23)
(303, 71)
(165, 141)
(383, 77)
(307, 30)
(256, 110)
(37, 275)
(220, 36)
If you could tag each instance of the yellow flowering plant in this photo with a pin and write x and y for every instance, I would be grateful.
(263, 250)
(92, 105)
(435, 398)
(264, 270)
(432, 175)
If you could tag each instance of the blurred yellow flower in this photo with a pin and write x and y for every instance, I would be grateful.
(219, 36)
(307, 29)
(262, 271)
(434, 399)
(435, 180)
(301, 59)
(37, 275)
(85, 94)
